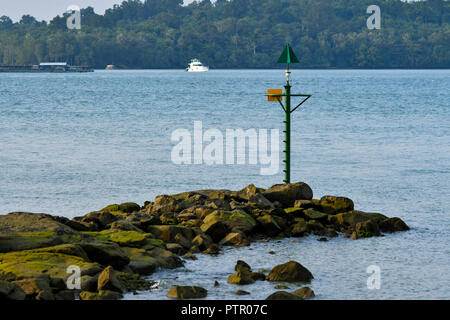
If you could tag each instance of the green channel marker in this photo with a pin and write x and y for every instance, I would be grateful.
(287, 56)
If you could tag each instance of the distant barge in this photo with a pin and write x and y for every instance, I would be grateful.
(47, 67)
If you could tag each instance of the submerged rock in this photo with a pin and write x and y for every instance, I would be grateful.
(304, 293)
(290, 272)
(187, 292)
(242, 293)
(283, 295)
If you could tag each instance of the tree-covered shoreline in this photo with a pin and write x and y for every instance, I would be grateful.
(157, 34)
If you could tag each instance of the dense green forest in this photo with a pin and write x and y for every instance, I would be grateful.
(238, 34)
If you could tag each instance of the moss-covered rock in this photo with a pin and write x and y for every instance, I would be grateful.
(67, 249)
(16, 222)
(187, 292)
(25, 231)
(334, 205)
(291, 271)
(122, 238)
(129, 207)
(32, 240)
(236, 221)
(31, 264)
(106, 253)
(287, 194)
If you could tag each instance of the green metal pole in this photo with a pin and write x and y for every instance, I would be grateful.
(288, 134)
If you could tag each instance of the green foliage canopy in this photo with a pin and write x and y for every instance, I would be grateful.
(238, 34)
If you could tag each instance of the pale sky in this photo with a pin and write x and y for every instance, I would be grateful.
(48, 9)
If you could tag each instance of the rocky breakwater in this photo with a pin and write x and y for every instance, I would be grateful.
(117, 245)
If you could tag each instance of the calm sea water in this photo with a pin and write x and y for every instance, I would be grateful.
(74, 143)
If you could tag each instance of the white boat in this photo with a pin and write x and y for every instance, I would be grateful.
(196, 66)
